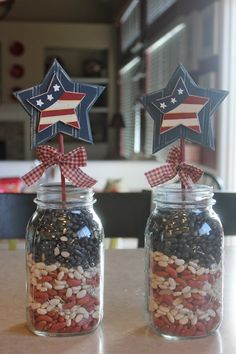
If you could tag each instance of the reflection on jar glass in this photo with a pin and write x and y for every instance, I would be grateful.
(184, 263)
(64, 246)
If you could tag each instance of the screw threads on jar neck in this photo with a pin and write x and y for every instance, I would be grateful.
(174, 195)
(50, 195)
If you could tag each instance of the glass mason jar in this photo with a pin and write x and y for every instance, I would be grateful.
(184, 246)
(65, 263)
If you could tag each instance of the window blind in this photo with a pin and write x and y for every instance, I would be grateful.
(130, 25)
(210, 30)
(128, 97)
(155, 8)
(162, 59)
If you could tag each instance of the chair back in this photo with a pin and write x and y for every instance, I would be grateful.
(122, 214)
(15, 212)
(225, 207)
(210, 179)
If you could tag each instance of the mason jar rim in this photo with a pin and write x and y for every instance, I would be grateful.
(50, 195)
(57, 185)
(175, 194)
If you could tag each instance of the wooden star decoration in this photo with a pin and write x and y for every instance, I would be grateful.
(59, 105)
(182, 110)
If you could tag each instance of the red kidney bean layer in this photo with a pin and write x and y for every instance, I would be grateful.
(62, 300)
(184, 297)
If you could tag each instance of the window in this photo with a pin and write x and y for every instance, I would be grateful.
(128, 98)
(130, 25)
(226, 150)
(209, 30)
(155, 8)
(162, 58)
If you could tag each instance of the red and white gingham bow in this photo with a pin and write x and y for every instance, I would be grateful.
(188, 174)
(69, 165)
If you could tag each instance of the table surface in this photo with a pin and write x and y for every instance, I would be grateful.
(123, 329)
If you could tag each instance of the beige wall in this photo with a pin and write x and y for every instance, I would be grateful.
(37, 38)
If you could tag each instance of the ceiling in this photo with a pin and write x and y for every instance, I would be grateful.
(89, 11)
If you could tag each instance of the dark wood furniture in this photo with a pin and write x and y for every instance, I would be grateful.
(225, 207)
(124, 214)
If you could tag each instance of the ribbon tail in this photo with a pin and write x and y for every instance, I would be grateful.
(194, 172)
(185, 179)
(78, 177)
(76, 158)
(160, 175)
(190, 173)
(34, 175)
(174, 156)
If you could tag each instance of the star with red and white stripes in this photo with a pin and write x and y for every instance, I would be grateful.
(59, 105)
(182, 110)
(56, 105)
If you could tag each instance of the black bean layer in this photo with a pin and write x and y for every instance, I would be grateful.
(70, 237)
(187, 234)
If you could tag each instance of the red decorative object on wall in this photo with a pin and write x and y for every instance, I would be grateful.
(16, 48)
(17, 71)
